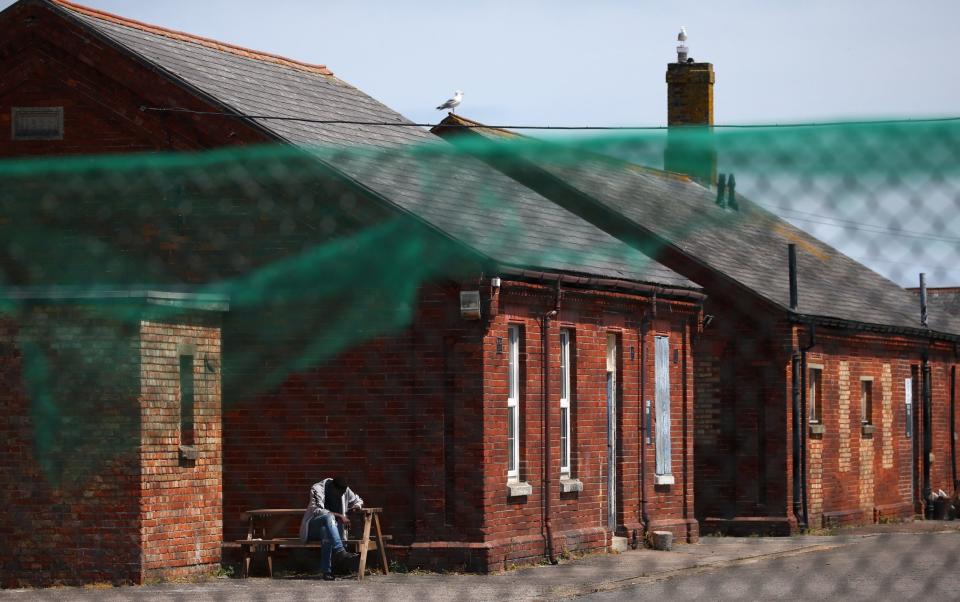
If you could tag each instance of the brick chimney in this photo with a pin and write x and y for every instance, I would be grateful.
(690, 104)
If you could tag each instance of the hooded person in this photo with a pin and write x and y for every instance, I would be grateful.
(325, 520)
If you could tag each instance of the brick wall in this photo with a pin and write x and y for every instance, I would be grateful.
(580, 518)
(742, 466)
(853, 476)
(86, 481)
(398, 414)
(69, 474)
(181, 499)
(856, 476)
(52, 62)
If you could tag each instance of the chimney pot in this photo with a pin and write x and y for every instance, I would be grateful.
(690, 103)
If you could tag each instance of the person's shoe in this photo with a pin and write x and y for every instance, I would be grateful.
(329, 577)
(344, 561)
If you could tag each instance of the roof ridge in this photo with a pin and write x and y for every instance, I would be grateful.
(195, 39)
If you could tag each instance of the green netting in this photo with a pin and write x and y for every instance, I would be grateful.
(319, 249)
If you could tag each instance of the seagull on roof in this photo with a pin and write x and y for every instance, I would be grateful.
(452, 103)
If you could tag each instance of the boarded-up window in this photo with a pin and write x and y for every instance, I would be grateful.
(664, 466)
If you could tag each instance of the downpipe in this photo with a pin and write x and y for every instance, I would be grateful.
(804, 413)
(795, 381)
(644, 424)
(927, 435)
(547, 482)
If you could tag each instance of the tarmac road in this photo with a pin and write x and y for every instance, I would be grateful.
(883, 567)
(877, 563)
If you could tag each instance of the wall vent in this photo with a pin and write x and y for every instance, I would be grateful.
(37, 123)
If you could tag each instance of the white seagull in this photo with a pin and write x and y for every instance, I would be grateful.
(452, 103)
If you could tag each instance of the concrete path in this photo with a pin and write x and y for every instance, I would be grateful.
(630, 574)
(901, 566)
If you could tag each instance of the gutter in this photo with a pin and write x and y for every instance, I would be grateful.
(923, 333)
(606, 283)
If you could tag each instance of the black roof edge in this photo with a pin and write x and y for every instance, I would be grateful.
(629, 286)
(920, 333)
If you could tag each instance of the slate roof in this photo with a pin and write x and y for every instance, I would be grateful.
(748, 246)
(943, 308)
(457, 195)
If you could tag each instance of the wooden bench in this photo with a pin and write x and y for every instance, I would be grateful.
(265, 525)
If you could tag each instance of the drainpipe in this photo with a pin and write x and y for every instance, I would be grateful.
(547, 465)
(927, 401)
(644, 424)
(804, 413)
(927, 434)
(795, 369)
(953, 427)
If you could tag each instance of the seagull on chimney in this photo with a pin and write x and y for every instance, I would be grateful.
(452, 103)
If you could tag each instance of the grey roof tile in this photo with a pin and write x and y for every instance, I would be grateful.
(459, 196)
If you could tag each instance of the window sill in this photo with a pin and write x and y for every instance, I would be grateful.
(868, 429)
(818, 429)
(568, 485)
(519, 489)
(188, 452)
(663, 479)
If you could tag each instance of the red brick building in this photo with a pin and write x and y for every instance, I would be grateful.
(112, 459)
(820, 397)
(537, 400)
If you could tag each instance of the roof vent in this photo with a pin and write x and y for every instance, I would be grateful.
(37, 123)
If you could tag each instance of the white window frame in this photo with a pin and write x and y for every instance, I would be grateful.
(908, 402)
(866, 384)
(566, 415)
(812, 391)
(513, 402)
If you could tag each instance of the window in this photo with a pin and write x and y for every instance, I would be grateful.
(36, 123)
(815, 395)
(565, 395)
(908, 400)
(513, 404)
(664, 474)
(866, 401)
(186, 400)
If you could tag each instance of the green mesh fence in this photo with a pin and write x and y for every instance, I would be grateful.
(308, 253)
(345, 237)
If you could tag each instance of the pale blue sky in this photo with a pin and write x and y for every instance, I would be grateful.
(602, 62)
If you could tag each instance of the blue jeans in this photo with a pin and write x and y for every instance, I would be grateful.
(327, 531)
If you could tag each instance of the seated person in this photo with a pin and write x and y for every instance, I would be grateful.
(325, 520)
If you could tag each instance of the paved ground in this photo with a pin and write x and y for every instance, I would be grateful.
(881, 567)
(854, 565)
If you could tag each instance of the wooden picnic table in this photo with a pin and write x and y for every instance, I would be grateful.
(265, 526)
